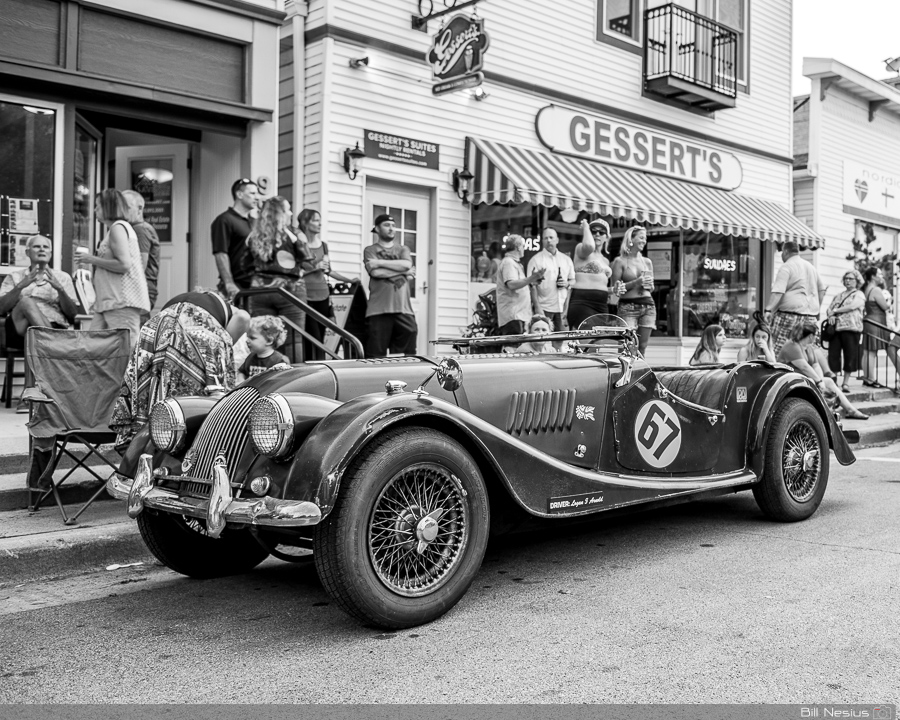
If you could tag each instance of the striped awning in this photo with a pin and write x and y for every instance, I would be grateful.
(508, 174)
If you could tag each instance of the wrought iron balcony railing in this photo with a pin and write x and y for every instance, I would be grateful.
(689, 58)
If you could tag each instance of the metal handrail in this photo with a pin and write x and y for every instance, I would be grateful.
(882, 344)
(349, 338)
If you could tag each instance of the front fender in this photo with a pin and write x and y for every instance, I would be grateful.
(771, 395)
(322, 460)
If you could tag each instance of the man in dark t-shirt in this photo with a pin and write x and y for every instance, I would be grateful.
(229, 233)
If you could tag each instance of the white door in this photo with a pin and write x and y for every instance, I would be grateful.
(161, 173)
(411, 210)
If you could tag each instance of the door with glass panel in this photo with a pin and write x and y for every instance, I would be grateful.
(160, 173)
(411, 210)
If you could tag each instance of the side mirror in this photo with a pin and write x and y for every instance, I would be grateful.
(450, 375)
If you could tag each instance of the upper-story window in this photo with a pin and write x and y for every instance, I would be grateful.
(621, 23)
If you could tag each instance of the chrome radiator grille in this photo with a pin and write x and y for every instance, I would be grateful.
(225, 431)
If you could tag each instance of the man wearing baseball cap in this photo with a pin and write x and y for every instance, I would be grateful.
(229, 233)
(513, 287)
(390, 318)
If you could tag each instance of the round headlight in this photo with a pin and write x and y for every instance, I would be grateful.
(271, 425)
(167, 425)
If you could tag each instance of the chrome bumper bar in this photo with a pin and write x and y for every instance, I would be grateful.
(218, 511)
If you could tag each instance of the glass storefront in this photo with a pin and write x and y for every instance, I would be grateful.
(27, 167)
(701, 278)
(85, 187)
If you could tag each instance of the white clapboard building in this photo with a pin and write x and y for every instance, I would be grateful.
(674, 116)
(847, 162)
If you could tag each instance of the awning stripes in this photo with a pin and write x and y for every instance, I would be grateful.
(507, 174)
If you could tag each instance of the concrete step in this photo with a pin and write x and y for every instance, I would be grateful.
(14, 494)
(880, 429)
(877, 407)
(859, 393)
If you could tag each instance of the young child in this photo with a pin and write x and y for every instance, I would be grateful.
(265, 334)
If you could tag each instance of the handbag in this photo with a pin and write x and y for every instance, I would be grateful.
(828, 331)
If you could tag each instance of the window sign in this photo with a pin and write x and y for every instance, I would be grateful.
(152, 178)
(872, 193)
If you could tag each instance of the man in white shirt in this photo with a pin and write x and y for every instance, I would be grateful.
(550, 297)
(796, 295)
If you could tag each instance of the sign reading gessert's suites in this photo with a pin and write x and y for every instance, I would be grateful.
(394, 148)
(607, 140)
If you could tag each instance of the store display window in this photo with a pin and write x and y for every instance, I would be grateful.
(721, 279)
(700, 278)
(27, 167)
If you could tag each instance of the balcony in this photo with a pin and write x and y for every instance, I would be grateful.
(689, 59)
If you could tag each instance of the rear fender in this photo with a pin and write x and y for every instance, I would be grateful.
(770, 397)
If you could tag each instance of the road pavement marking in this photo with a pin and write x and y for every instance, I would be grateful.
(877, 459)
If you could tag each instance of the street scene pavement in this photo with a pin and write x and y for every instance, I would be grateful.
(704, 602)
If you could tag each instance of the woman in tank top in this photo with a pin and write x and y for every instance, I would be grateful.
(119, 281)
(632, 278)
(590, 294)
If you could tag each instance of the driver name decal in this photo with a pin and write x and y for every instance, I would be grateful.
(657, 431)
(568, 503)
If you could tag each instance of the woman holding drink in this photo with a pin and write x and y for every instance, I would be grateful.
(590, 294)
(632, 281)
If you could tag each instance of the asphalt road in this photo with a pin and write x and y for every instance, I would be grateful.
(700, 603)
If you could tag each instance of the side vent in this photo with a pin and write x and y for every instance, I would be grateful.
(540, 411)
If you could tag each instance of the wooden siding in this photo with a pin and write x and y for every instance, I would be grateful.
(840, 130)
(30, 30)
(286, 120)
(132, 50)
(558, 50)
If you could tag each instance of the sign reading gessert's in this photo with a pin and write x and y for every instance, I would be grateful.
(394, 148)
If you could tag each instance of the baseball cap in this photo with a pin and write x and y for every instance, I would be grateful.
(384, 217)
(602, 224)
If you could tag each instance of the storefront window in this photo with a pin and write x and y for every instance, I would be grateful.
(721, 274)
(708, 278)
(85, 187)
(27, 141)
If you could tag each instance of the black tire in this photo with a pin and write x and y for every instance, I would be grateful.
(182, 545)
(795, 472)
(379, 555)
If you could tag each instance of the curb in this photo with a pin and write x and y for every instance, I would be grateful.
(19, 462)
(74, 494)
(71, 551)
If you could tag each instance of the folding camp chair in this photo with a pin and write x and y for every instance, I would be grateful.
(77, 377)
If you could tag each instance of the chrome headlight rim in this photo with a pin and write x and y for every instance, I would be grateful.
(284, 425)
(176, 421)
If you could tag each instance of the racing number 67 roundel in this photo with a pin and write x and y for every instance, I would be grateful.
(657, 432)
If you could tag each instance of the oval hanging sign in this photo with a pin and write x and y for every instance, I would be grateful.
(607, 140)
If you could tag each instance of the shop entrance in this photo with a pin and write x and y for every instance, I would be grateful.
(411, 209)
(161, 173)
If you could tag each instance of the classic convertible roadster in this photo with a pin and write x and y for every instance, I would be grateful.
(394, 480)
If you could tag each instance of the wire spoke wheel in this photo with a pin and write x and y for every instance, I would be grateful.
(419, 529)
(801, 461)
(795, 467)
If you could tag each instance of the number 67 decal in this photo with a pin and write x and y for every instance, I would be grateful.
(657, 432)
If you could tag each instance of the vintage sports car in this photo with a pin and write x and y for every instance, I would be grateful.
(395, 481)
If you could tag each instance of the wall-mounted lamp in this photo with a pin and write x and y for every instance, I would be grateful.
(479, 94)
(356, 62)
(462, 183)
(893, 64)
(353, 161)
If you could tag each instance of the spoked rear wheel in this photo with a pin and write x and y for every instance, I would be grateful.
(796, 465)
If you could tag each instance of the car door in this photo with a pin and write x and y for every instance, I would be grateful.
(657, 434)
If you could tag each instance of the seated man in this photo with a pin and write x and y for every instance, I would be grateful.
(38, 295)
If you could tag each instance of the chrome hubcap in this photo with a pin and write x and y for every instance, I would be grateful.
(801, 461)
(419, 529)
